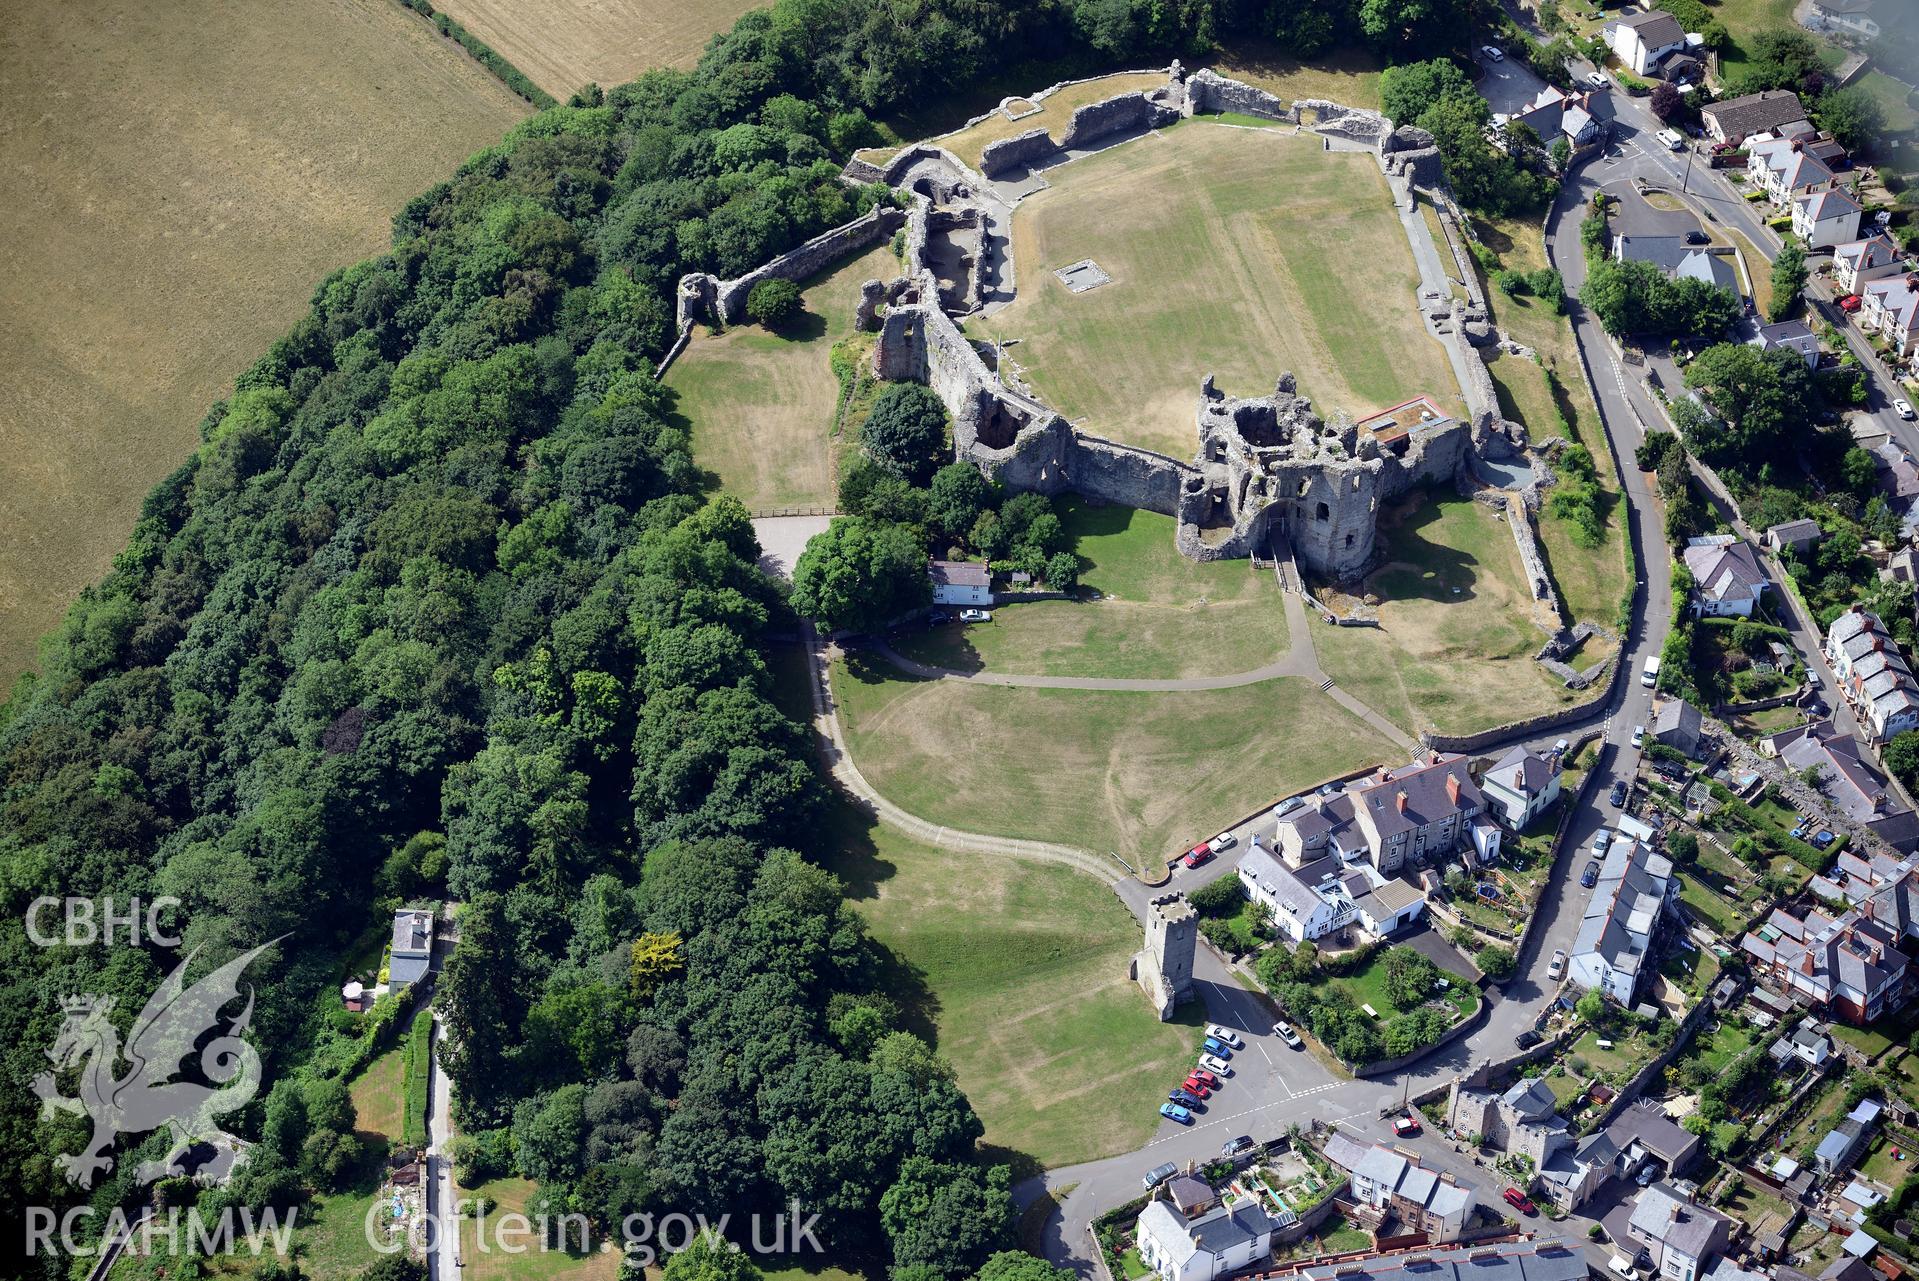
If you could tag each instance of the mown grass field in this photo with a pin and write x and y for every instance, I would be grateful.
(174, 181)
(1020, 968)
(1144, 775)
(1454, 648)
(565, 44)
(1245, 253)
(1150, 612)
(760, 405)
(486, 1253)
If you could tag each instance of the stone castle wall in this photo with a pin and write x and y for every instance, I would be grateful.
(1122, 113)
(1016, 152)
(1209, 92)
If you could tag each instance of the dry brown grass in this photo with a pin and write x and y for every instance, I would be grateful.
(1348, 76)
(564, 44)
(174, 180)
(1223, 260)
(760, 405)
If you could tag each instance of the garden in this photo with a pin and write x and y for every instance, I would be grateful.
(1373, 1004)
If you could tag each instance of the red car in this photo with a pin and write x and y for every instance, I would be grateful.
(1519, 1201)
(1207, 1078)
(1405, 1126)
(1196, 1087)
(1198, 854)
(1849, 304)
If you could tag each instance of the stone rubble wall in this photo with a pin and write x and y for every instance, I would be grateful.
(813, 257)
(1016, 152)
(1126, 112)
(1532, 559)
(1208, 92)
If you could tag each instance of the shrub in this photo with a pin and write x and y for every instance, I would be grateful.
(1216, 898)
(774, 303)
(1510, 282)
(1495, 961)
(1548, 286)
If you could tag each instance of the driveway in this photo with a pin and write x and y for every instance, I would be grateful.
(1508, 86)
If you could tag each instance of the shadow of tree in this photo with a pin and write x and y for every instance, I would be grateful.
(1426, 568)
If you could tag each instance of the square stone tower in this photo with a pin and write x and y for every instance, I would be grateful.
(1164, 969)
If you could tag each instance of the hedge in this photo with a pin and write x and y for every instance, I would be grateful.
(483, 53)
(419, 1056)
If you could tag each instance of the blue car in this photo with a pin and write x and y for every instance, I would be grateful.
(1174, 1112)
(1184, 1099)
(1216, 1046)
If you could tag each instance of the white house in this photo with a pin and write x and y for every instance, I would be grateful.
(1891, 307)
(960, 582)
(1521, 786)
(1300, 911)
(1873, 258)
(1727, 580)
(1785, 170)
(1825, 218)
(1612, 953)
(1805, 1043)
(1387, 1178)
(1682, 1238)
(1873, 674)
(1220, 1242)
(1640, 40)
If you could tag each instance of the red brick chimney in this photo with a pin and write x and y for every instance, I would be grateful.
(1452, 788)
(1399, 801)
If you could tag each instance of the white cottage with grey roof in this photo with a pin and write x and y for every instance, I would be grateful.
(1521, 786)
(1220, 1242)
(1387, 1178)
(1612, 953)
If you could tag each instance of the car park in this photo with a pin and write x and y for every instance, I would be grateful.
(1519, 1201)
(1213, 1063)
(1284, 1031)
(1213, 1045)
(1204, 1077)
(1596, 79)
(1557, 969)
(1237, 1144)
(1639, 736)
(1200, 853)
(975, 616)
(1159, 1174)
(1590, 877)
(1493, 53)
(1174, 1112)
(1197, 1088)
(1900, 407)
(1618, 793)
(1223, 842)
(1405, 1126)
(1225, 1034)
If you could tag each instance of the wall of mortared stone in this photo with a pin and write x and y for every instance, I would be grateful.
(1207, 91)
(1124, 112)
(1016, 152)
(811, 258)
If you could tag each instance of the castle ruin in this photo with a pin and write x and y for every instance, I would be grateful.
(1164, 968)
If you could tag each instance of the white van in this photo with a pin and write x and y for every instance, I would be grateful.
(1672, 139)
(1650, 677)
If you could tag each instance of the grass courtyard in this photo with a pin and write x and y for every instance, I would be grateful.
(1454, 648)
(1238, 252)
(1142, 774)
(760, 405)
(1020, 969)
(1149, 611)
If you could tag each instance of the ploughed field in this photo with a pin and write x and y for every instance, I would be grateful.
(565, 44)
(184, 175)
(1241, 252)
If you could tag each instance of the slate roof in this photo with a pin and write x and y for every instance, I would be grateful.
(1222, 1228)
(1850, 951)
(1523, 771)
(1510, 1261)
(1795, 167)
(1796, 531)
(1857, 788)
(1725, 571)
(1427, 796)
(1645, 1124)
(1188, 1192)
(1625, 905)
(958, 573)
(1681, 261)
(1288, 891)
(1656, 27)
(1407, 1179)
(1677, 724)
(1530, 1097)
(1875, 250)
(1822, 205)
(1755, 112)
(1665, 1216)
(1900, 297)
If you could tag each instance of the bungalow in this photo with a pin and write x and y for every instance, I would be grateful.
(1858, 261)
(960, 582)
(1784, 170)
(1795, 536)
(1791, 335)
(1679, 260)
(412, 947)
(1844, 17)
(1644, 1132)
(1218, 1243)
(1727, 579)
(1737, 119)
(1640, 40)
(1521, 786)
(1826, 218)
(1891, 308)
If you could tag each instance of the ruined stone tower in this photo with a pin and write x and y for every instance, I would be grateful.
(1165, 968)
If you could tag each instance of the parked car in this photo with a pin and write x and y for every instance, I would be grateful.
(1197, 1088)
(1698, 238)
(1590, 877)
(1159, 1174)
(975, 616)
(1648, 1171)
(1213, 1063)
(1204, 1077)
(1618, 793)
(1527, 1039)
(1225, 1034)
(1284, 1031)
(1602, 840)
(1639, 736)
(938, 617)
(1851, 303)
(1406, 1126)
(1557, 969)
(1213, 1045)
(1185, 1098)
(1515, 1198)
(1900, 407)
(1596, 79)
(1223, 842)
(1200, 853)
(1174, 1112)
(1237, 1144)
(1493, 53)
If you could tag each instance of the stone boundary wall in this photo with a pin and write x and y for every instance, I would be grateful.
(1533, 557)
(817, 254)
(1531, 725)
(1471, 1023)
(1209, 92)
(1311, 1220)
(1016, 152)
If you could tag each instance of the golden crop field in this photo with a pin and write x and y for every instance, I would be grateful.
(564, 44)
(175, 178)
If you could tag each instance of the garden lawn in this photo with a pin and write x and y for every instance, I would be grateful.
(1143, 774)
(1211, 235)
(1627, 1055)
(1453, 651)
(760, 406)
(1147, 611)
(1817, 1120)
(1744, 19)
(1367, 986)
(379, 1095)
(1714, 909)
(483, 1259)
(1021, 969)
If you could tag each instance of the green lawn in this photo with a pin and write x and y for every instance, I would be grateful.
(1870, 1041)
(1199, 227)
(1627, 1055)
(486, 1251)
(1721, 1046)
(1144, 774)
(1744, 19)
(1020, 969)
(378, 1095)
(1148, 612)
(1816, 1121)
(1715, 910)
(1454, 648)
(1881, 1164)
(1367, 986)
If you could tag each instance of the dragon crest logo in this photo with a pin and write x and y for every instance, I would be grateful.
(148, 1097)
